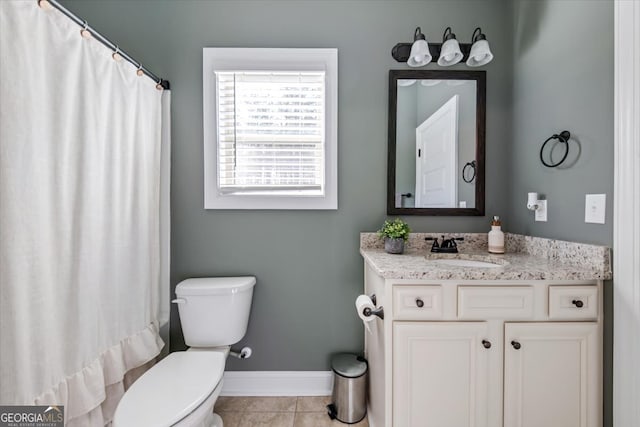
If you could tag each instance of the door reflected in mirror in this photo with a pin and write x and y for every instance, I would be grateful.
(436, 143)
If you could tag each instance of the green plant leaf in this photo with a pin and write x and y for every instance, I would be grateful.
(396, 229)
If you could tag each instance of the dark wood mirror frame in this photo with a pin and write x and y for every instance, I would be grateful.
(480, 78)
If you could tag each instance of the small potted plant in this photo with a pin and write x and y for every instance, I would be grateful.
(394, 233)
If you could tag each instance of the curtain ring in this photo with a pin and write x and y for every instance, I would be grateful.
(44, 5)
(85, 32)
(139, 71)
(116, 55)
(562, 137)
(159, 85)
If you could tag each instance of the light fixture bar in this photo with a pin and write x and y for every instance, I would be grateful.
(401, 51)
(474, 54)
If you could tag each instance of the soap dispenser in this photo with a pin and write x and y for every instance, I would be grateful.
(496, 237)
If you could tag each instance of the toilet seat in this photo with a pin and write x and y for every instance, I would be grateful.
(170, 390)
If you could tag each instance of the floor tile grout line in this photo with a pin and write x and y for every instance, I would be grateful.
(294, 414)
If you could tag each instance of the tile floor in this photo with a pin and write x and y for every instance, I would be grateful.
(277, 412)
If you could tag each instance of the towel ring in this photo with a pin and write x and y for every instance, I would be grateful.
(472, 165)
(564, 138)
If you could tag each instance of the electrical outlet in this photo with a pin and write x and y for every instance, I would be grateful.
(541, 212)
(595, 206)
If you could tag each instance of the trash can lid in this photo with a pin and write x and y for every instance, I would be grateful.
(349, 365)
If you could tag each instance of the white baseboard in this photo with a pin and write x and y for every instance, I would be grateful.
(277, 383)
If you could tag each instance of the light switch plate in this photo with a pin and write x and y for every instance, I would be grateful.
(595, 206)
(541, 212)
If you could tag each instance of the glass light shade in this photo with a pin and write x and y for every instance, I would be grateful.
(420, 54)
(480, 54)
(428, 83)
(406, 82)
(450, 53)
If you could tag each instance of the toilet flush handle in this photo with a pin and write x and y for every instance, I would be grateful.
(179, 301)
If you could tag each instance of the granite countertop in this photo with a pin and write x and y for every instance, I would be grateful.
(527, 258)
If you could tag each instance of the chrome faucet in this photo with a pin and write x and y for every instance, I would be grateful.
(448, 246)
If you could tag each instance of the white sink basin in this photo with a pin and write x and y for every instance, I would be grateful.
(465, 263)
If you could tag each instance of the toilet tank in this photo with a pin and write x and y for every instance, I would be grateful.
(214, 311)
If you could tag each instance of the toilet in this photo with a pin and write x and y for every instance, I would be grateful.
(182, 388)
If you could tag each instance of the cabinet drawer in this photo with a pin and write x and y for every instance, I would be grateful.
(573, 302)
(495, 302)
(417, 302)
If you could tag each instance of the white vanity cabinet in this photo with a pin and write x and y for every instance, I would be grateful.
(552, 375)
(485, 353)
(441, 374)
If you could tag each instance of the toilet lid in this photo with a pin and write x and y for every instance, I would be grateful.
(170, 390)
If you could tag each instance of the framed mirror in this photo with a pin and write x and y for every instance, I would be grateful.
(436, 143)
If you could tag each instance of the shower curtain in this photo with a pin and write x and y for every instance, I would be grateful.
(83, 217)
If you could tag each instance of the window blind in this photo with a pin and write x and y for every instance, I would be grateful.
(271, 132)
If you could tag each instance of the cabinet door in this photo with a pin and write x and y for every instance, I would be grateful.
(440, 374)
(551, 375)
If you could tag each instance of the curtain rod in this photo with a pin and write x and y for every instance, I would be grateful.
(105, 41)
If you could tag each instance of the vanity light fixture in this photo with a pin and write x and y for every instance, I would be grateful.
(420, 54)
(449, 52)
(480, 52)
(430, 82)
(406, 82)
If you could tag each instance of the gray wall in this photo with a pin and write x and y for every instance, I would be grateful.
(307, 263)
(563, 79)
(552, 70)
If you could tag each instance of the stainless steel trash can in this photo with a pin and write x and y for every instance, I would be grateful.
(349, 398)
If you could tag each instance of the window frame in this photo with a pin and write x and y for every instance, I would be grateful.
(266, 59)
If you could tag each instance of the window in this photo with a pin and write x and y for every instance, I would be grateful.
(270, 132)
(270, 128)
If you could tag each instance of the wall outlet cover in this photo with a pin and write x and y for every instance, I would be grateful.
(595, 206)
(541, 212)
